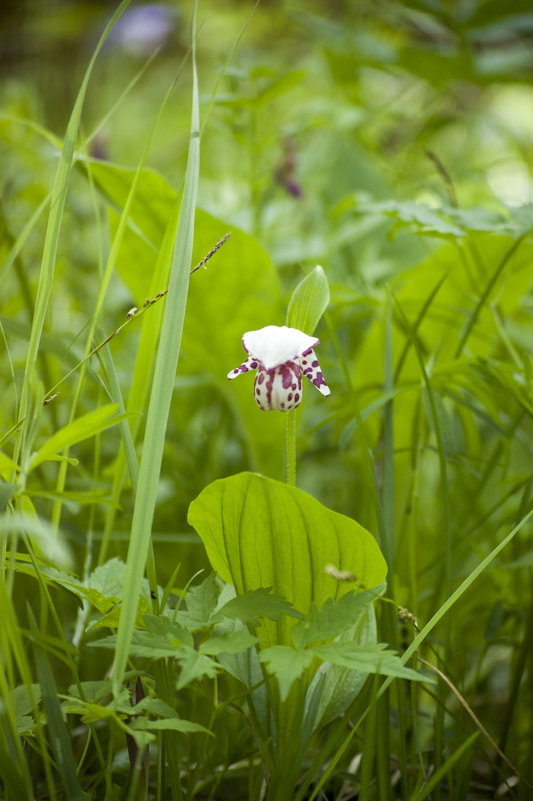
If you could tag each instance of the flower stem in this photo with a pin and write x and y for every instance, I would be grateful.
(291, 448)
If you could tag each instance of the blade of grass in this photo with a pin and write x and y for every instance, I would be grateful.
(13, 650)
(387, 518)
(419, 639)
(104, 284)
(140, 384)
(57, 205)
(59, 736)
(105, 119)
(474, 717)
(443, 467)
(13, 766)
(388, 449)
(486, 294)
(20, 241)
(161, 396)
(438, 776)
(150, 331)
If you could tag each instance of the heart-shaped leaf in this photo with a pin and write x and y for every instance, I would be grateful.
(261, 533)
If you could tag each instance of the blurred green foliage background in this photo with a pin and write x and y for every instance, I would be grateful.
(391, 142)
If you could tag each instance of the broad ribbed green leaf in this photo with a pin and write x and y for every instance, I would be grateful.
(261, 533)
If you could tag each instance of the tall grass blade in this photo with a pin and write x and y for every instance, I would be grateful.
(104, 284)
(162, 386)
(59, 735)
(419, 639)
(439, 775)
(57, 205)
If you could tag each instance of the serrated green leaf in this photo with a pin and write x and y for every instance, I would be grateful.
(231, 642)
(415, 216)
(309, 301)
(333, 618)
(144, 644)
(371, 658)
(89, 711)
(108, 579)
(251, 606)
(111, 618)
(286, 664)
(194, 666)
(334, 687)
(155, 706)
(169, 724)
(92, 690)
(200, 602)
(23, 707)
(171, 629)
(88, 425)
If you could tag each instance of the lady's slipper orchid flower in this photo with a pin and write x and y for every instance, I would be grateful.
(280, 355)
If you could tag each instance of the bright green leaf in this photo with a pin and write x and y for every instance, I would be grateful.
(7, 464)
(194, 666)
(309, 301)
(231, 642)
(261, 533)
(371, 658)
(170, 724)
(333, 618)
(88, 425)
(166, 627)
(251, 606)
(23, 707)
(201, 601)
(287, 664)
(144, 644)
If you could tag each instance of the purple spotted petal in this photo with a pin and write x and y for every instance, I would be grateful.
(280, 388)
(280, 355)
(249, 364)
(275, 345)
(311, 369)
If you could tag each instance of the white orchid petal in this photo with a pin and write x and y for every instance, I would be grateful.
(275, 345)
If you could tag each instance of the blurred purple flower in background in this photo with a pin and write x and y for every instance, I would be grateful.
(143, 28)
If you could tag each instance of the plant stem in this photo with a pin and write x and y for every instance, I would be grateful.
(291, 448)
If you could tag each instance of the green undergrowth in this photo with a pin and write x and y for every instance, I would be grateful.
(204, 600)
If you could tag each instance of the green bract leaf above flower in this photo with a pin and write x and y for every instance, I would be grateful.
(309, 301)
